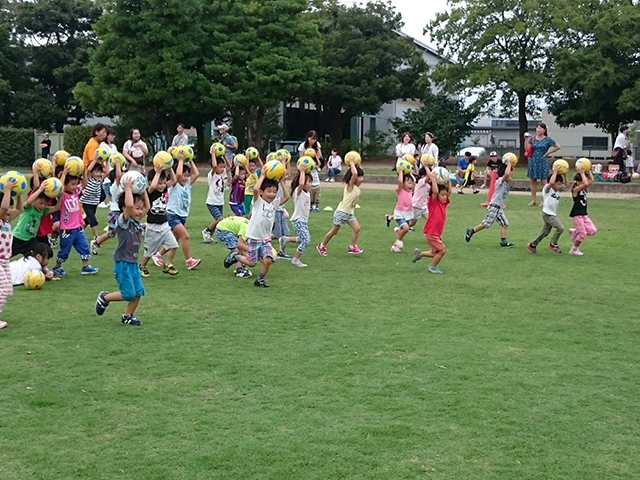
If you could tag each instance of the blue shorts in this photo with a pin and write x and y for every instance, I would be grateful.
(73, 238)
(280, 225)
(228, 239)
(129, 280)
(238, 209)
(175, 220)
(215, 211)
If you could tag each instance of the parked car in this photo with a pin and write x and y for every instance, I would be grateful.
(475, 151)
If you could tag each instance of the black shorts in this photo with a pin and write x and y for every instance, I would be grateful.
(469, 182)
(22, 247)
(90, 214)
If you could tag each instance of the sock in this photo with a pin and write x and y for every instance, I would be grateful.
(503, 240)
(261, 276)
(237, 257)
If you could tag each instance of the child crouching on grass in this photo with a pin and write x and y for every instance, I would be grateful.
(231, 232)
(437, 206)
(125, 256)
(37, 259)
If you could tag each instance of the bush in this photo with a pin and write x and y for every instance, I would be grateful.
(75, 139)
(16, 147)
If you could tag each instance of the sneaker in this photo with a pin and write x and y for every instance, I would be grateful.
(89, 270)
(387, 219)
(468, 234)
(506, 245)
(395, 229)
(53, 243)
(531, 248)
(572, 234)
(297, 263)
(435, 270)
(59, 272)
(460, 192)
(317, 209)
(575, 251)
(193, 263)
(101, 303)
(130, 320)
(322, 250)
(416, 255)
(261, 282)
(170, 270)
(284, 255)
(327, 180)
(94, 246)
(283, 242)
(243, 272)
(3, 324)
(483, 186)
(157, 260)
(103, 205)
(230, 259)
(206, 236)
(333, 180)
(144, 272)
(475, 192)
(554, 248)
(354, 250)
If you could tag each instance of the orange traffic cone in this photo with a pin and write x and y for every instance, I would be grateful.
(492, 186)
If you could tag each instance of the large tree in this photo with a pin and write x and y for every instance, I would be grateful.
(7, 62)
(366, 62)
(499, 51)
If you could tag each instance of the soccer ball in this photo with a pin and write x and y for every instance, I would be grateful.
(563, 166)
(252, 153)
(44, 168)
(241, 160)
(428, 159)
(139, 182)
(103, 155)
(34, 279)
(117, 158)
(163, 160)
(281, 155)
(273, 170)
(52, 187)
(510, 158)
(310, 152)
(21, 182)
(442, 176)
(186, 150)
(583, 164)
(218, 149)
(409, 158)
(60, 157)
(352, 157)
(74, 166)
(271, 156)
(306, 163)
(403, 166)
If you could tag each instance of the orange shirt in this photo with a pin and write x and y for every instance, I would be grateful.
(89, 151)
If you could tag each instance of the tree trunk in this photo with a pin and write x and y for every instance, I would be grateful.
(259, 127)
(203, 152)
(335, 126)
(522, 121)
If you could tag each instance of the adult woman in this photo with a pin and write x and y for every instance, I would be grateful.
(311, 141)
(405, 146)
(541, 147)
(135, 150)
(429, 147)
(98, 134)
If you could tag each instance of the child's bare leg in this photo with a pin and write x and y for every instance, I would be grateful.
(180, 232)
(170, 255)
(503, 232)
(264, 267)
(478, 228)
(131, 306)
(113, 297)
(437, 257)
(355, 226)
(402, 231)
(330, 234)
(85, 263)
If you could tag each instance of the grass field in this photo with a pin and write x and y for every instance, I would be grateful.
(508, 366)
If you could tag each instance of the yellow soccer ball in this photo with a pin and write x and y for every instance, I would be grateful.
(352, 157)
(403, 166)
(306, 163)
(428, 159)
(44, 168)
(274, 170)
(103, 155)
(583, 164)
(163, 160)
(511, 158)
(52, 187)
(409, 158)
(74, 166)
(563, 166)
(271, 156)
(252, 153)
(60, 157)
(310, 152)
(117, 158)
(20, 180)
(34, 279)
(218, 149)
(241, 160)
(186, 150)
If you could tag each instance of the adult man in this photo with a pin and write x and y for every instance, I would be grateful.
(461, 169)
(228, 141)
(45, 145)
(620, 147)
(181, 139)
(492, 165)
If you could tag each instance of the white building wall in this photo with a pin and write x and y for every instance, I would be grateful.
(571, 138)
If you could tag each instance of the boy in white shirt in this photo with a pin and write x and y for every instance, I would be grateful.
(315, 190)
(215, 196)
(551, 199)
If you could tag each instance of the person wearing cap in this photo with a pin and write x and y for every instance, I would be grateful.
(181, 139)
(228, 141)
(492, 165)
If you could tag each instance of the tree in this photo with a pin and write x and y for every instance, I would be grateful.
(499, 50)
(7, 62)
(366, 63)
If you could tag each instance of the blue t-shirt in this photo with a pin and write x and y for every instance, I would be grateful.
(540, 147)
(180, 199)
(463, 164)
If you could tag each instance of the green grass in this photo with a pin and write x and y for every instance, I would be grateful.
(507, 366)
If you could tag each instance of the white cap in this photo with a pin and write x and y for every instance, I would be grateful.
(224, 126)
(493, 154)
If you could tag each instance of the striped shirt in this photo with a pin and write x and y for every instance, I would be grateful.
(91, 193)
(236, 196)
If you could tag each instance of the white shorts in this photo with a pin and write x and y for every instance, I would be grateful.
(158, 236)
(419, 212)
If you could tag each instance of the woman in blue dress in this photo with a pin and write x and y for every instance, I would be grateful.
(542, 147)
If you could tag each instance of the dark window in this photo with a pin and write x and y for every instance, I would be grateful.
(595, 143)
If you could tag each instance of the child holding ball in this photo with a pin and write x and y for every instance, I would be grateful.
(582, 224)
(300, 186)
(550, 201)
(7, 214)
(403, 213)
(125, 256)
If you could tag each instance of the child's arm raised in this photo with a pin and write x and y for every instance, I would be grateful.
(354, 177)
(36, 177)
(507, 173)
(302, 181)
(153, 186)
(180, 166)
(236, 174)
(31, 198)
(56, 207)
(118, 168)
(581, 185)
(287, 194)
(172, 180)
(195, 173)
(5, 206)
(590, 177)
(13, 213)
(147, 203)
(127, 211)
(400, 181)
(258, 186)
(433, 178)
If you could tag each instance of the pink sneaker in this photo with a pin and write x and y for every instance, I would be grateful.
(575, 251)
(193, 263)
(322, 250)
(157, 260)
(354, 250)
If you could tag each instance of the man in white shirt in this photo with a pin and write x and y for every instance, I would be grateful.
(620, 147)
(181, 139)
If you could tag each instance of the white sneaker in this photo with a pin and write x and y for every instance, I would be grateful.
(94, 247)
(206, 236)
(283, 242)
(103, 205)
(297, 263)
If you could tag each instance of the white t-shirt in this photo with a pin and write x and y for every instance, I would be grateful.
(263, 216)
(550, 200)
(112, 148)
(335, 162)
(20, 267)
(301, 204)
(115, 191)
(315, 178)
(621, 141)
(215, 196)
(135, 152)
(302, 149)
(180, 140)
(431, 150)
(402, 149)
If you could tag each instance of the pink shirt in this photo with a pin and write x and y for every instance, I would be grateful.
(6, 239)
(421, 193)
(70, 211)
(404, 200)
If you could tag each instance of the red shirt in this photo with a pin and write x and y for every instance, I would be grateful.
(46, 224)
(437, 216)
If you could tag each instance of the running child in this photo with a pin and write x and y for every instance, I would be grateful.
(91, 193)
(46, 222)
(470, 176)
(253, 173)
(232, 232)
(300, 186)
(158, 232)
(7, 214)
(115, 191)
(495, 212)
(421, 194)
(582, 224)
(37, 259)
(280, 225)
(403, 213)
(437, 204)
(215, 196)
(26, 230)
(125, 256)
(344, 212)
(550, 201)
(236, 196)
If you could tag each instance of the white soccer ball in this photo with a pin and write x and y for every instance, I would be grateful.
(138, 181)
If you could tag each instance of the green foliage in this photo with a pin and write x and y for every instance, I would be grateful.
(16, 147)
(378, 143)
(443, 115)
(76, 138)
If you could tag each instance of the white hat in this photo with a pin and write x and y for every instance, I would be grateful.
(493, 154)
(224, 126)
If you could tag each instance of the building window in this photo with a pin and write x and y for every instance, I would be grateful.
(506, 143)
(595, 143)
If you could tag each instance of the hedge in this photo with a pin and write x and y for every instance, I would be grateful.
(76, 138)
(16, 147)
